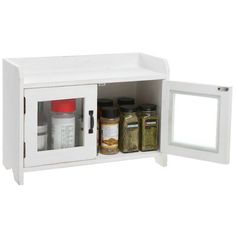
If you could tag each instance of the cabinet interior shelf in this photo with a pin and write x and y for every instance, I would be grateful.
(127, 156)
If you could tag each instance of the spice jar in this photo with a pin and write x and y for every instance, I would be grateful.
(102, 102)
(63, 123)
(129, 129)
(121, 101)
(149, 125)
(109, 130)
(42, 138)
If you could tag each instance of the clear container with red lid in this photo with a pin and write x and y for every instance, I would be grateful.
(63, 123)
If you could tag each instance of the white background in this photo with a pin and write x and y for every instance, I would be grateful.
(189, 197)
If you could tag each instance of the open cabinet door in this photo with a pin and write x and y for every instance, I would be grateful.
(195, 121)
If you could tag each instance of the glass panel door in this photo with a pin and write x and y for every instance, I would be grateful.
(196, 121)
(59, 124)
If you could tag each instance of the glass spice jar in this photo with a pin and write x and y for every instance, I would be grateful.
(122, 101)
(129, 129)
(102, 102)
(149, 126)
(63, 123)
(109, 130)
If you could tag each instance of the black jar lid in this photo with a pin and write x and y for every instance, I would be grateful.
(110, 112)
(148, 107)
(129, 108)
(105, 102)
(125, 101)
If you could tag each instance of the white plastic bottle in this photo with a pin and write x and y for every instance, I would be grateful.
(63, 123)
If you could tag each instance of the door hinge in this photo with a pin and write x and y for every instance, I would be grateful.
(101, 85)
(24, 105)
(223, 89)
(24, 150)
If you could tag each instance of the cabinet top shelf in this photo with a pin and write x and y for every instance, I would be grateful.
(89, 69)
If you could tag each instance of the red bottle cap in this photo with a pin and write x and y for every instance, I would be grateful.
(67, 105)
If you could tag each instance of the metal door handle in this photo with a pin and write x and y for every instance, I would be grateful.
(91, 122)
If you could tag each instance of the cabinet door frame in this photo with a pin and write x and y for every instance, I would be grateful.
(85, 152)
(223, 94)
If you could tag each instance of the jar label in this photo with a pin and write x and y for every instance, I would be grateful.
(63, 132)
(150, 123)
(109, 135)
(132, 125)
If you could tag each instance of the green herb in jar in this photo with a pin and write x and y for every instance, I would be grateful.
(129, 129)
(149, 126)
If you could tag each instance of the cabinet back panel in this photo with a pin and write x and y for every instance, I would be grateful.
(114, 90)
(149, 92)
(141, 91)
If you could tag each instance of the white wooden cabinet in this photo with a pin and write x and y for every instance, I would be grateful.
(27, 81)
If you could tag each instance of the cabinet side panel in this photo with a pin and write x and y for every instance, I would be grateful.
(13, 102)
